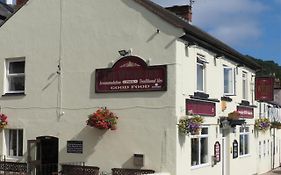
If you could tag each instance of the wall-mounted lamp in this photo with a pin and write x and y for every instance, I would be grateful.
(125, 52)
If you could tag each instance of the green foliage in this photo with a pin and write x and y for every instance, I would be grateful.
(269, 68)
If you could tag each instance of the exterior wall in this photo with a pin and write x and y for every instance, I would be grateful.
(83, 37)
(268, 142)
(187, 59)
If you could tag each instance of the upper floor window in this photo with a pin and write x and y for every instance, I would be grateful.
(201, 73)
(14, 142)
(229, 80)
(15, 76)
(244, 85)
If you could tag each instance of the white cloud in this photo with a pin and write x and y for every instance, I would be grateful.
(233, 22)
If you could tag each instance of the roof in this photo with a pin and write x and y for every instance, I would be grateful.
(198, 36)
(5, 11)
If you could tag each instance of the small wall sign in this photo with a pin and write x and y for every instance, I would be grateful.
(131, 74)
(217, 151)
(245, 112)
(75, 146)
(200, 107)
(235, 149)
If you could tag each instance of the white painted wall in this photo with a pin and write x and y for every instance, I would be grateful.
(83, 37)
(187, 59)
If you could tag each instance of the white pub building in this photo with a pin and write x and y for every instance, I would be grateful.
(105, 84)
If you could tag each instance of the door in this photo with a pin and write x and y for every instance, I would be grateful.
(32, 159)
(43, 155)
(225, 153)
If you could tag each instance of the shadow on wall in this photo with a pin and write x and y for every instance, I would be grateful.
(159, 27)
(88, 145)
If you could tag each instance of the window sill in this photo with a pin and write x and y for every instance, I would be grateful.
(14, 158)
(200, 166)
(244, 156)
(229, 95)
(14, 94)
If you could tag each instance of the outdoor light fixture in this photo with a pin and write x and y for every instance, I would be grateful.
(125, 52)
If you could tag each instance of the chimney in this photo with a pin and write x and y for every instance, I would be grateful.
(20, 2)
(184, 11)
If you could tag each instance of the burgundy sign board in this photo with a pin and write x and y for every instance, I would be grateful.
(264, 88)
(200, 107)
(217, 151)
(245, 112)
(131, 74)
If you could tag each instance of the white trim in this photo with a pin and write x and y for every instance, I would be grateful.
(232, 79)
(200, 166)
(204, 76)
(10, 75)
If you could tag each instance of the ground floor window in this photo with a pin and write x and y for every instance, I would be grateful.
(14, 142)
(199, 148)
(244, 141)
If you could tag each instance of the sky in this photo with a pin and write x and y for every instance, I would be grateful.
(252, 27)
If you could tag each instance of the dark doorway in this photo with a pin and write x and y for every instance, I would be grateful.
(44, 160)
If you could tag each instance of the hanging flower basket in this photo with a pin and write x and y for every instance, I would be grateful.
(276, 125)
(262, 124)
(103, 119)
(3, 120)
(191, 124)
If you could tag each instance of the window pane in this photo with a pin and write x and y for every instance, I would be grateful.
(16, 83)
(12, 143)
(241, 147)
(194, 151)
(204, 150)
(16, 67)
(228, 80)
(246, 144)
(20, 144)
(204, 131)
(200, 77)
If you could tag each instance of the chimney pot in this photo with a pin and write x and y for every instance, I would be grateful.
(184, 11)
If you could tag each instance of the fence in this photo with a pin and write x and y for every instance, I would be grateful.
(17, 168)
(13, 168)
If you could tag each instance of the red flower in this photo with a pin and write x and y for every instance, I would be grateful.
(102, 119)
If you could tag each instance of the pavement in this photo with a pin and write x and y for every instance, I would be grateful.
(274, 172)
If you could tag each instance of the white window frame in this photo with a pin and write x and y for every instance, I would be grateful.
(244, 85)
(202, 63)
(7, 143)
(200, 136)
(244, 131)
(232, 79)
(7, 75)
